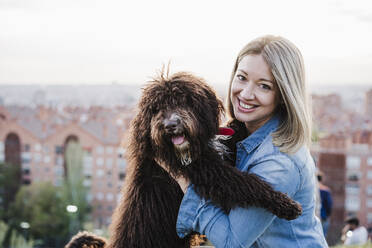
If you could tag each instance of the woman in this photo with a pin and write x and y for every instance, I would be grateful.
(268, 98)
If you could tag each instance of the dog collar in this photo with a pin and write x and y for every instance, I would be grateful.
(226, 131)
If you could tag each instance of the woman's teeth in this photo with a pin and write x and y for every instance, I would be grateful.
(246, 106)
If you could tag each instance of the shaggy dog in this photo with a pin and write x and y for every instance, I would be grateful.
(177, 124)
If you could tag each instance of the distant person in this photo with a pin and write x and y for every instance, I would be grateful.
(353, 234)
(326, 204)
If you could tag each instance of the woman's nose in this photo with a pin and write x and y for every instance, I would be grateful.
(248, 92)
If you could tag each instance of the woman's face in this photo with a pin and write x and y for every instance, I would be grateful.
(254, 93)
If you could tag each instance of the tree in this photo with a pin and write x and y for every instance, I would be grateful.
(8, 186)
(43, 207)
(75, 192)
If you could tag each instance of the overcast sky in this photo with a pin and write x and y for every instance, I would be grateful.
(105, 41)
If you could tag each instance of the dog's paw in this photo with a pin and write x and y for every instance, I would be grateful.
(286, 208)
(294, 211)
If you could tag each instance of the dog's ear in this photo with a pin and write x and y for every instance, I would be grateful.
(139, 146)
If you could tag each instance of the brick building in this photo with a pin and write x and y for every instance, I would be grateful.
(38, 136)
(368, 103)
(346, 161)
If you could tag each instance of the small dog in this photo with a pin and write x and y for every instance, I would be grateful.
(177, 124)
(86, 240)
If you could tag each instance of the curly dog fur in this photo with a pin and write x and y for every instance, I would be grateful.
(86, 240)
(177, 124)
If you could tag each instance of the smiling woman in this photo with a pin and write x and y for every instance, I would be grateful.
(268, 106)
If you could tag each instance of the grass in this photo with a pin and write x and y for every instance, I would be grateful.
(368, 245)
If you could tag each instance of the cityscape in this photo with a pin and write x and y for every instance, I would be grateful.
(38, 122)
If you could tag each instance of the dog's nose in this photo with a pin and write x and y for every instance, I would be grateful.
(171, 124)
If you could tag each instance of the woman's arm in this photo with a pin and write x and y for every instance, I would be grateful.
(241, 227)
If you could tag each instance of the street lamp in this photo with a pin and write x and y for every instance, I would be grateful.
(25, 225)
(72, 209)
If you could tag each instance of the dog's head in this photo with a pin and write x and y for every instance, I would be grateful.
(184, 116)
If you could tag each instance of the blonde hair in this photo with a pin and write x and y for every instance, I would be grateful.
(287, 67)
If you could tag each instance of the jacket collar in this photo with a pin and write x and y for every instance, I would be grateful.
(256, 138)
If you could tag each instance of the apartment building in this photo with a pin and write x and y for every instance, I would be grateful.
(37, 137)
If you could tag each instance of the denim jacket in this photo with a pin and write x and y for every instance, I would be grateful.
(293, 174)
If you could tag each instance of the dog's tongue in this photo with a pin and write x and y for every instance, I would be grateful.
(178, 140)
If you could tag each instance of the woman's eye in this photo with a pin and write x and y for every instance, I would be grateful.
(240, 77)
(265, 86)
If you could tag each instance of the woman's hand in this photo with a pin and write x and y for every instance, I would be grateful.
(182, 182)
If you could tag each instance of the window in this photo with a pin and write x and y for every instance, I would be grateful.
(369, 202)
(59, 161)
(26, 181)
(37, 147)
(353, 176)
(46, 159)
(87, 172)
(120, 152)
(37, 157)
(352, 189)
(100, 149)
(99, 161)
(100, 173)
(122, 164)
(369, 218)
(99, 196)
(109, 150)
(110, 197)
(26, 148)
(26, 166)
(59, 149)
(121, 175)
(89, 197)
(352, 203)
(369, 161)
(87, 182)
(118, 197)
(88, 151)
(87, 161)
(369, 174)
(353, 162)
(119, 122)
(109, 163)
(45, 149)
(1, 146)
(108, 219)
(26, 157)
(58, 182)
(369, 190)
(58, 171)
